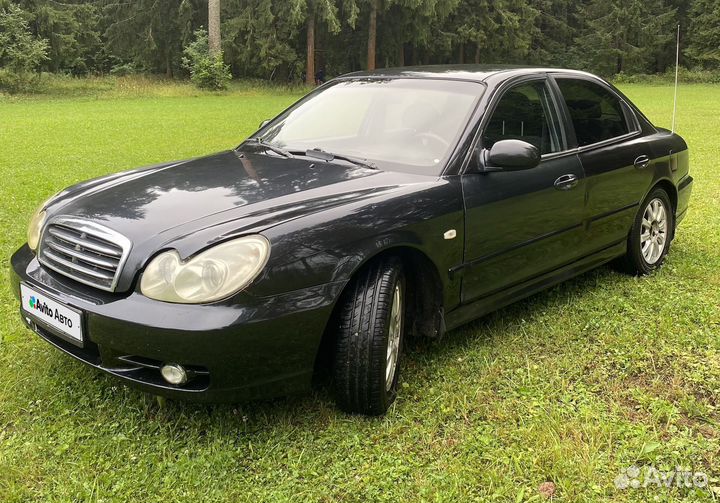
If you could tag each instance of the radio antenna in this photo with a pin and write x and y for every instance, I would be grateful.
(677, 65)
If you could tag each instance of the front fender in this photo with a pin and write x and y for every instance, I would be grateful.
(330, 246)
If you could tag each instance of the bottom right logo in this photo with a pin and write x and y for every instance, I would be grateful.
(635, 477)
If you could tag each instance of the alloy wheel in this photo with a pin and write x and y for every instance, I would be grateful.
(653, 231)
(394, 331)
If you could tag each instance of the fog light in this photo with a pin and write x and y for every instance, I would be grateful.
(174, 373)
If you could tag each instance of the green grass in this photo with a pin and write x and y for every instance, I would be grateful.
(569, 386)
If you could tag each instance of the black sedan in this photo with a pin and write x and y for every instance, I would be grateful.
(380, 206)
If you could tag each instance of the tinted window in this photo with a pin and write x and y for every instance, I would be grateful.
(526, 113)
(596, 113)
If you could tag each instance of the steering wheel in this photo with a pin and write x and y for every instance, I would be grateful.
(428, 137)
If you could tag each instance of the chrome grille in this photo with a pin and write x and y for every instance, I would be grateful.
(84, 251)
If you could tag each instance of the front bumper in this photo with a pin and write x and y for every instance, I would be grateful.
(245, 349)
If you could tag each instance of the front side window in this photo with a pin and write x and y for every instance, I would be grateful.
(399, 124)
(597, 114)
(525, 112)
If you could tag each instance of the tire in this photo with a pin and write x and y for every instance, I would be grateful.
(651, 234)
(372, 317)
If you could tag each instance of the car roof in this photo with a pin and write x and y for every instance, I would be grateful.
(477, 73)
(491, 75)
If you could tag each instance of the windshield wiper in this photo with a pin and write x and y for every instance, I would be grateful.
(278, 150)
(319, 153)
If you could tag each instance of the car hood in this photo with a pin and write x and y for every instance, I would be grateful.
(190, 204)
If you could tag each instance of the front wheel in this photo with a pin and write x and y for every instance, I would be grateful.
(369, 340)
(650, 236)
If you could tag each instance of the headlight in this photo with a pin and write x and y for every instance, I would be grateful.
(35, 227)
(212, 275)
(37, 220)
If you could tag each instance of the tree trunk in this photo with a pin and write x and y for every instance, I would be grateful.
(372, 35)
(168, 65)
(477, 55)
(461, 54)
(401, 55)
(214, 27)
(310, 67)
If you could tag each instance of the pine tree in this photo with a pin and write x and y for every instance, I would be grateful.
(149, 33)
(493, 30)
(552, 33)
(20, 51)
(623, 35)
(703, 35)
(72, 31)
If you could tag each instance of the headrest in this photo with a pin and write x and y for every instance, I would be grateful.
(584, 109)
(513, 106)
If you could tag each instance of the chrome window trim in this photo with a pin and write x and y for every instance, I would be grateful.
(93, 229)
(556, 155)
(609, 141)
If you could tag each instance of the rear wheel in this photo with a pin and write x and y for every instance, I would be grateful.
(651, 234)
(370, 337)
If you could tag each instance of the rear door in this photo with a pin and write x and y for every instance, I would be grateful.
(521, 224)
(615, 156)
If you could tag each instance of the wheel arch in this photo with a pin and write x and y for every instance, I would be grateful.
(424, 293)
(672, 192)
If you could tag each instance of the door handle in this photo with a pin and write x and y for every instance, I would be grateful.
(566, 182)
(642, 162)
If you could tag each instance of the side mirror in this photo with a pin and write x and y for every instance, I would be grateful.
(512, 155)
(264, 123)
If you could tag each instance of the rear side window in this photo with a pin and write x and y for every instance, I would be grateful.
(596, 113)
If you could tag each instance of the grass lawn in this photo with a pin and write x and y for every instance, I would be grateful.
(570, 386)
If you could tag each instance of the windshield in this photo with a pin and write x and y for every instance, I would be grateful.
(397, 124)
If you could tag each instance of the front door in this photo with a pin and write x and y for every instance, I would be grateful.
(522, 224)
